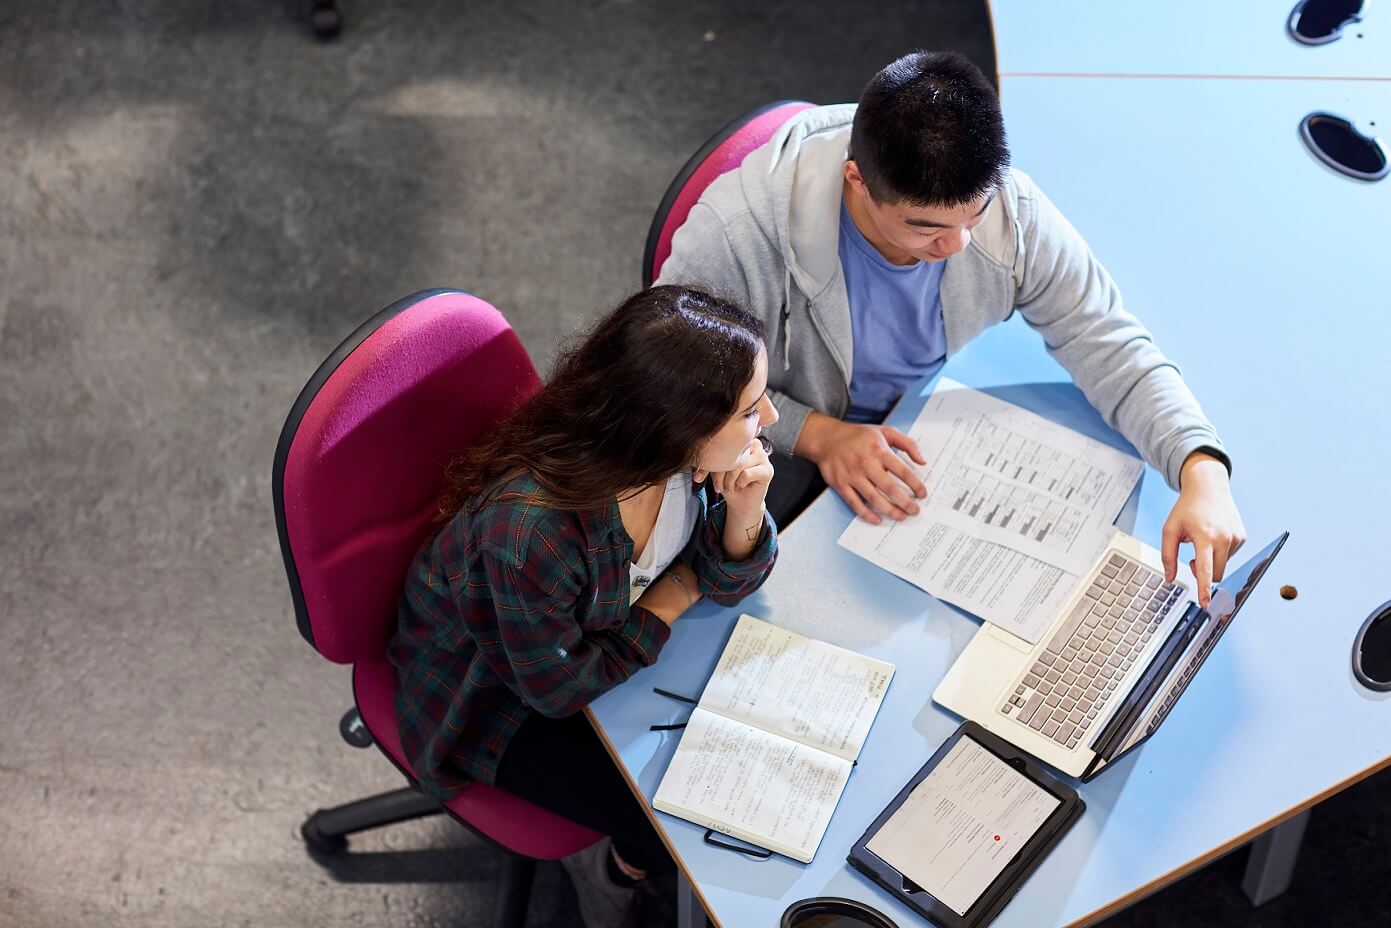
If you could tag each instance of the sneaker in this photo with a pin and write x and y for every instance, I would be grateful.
(603, 903)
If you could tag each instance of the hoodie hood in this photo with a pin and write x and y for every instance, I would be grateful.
(797, 184)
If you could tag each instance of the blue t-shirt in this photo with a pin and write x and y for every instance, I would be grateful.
(895, 321)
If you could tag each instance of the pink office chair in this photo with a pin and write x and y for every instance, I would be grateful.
(724, 152)
(358, 472)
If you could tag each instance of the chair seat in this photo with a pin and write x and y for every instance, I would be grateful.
(514, 823)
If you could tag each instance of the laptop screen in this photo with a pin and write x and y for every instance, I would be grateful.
(1227, 598)
(1231, 593)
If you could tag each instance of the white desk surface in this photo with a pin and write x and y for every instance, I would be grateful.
(1263, 275)
(1228, 38)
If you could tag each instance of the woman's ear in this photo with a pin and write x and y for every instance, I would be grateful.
(698, 473)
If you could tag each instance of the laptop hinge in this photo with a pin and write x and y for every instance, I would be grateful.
(1132, 709)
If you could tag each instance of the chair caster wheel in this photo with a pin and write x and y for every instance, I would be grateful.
(325, 19)
(351, 727)
(320, 842)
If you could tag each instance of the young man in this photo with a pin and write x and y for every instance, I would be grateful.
(877, 239)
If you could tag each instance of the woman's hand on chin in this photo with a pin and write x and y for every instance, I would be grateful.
(746, 486)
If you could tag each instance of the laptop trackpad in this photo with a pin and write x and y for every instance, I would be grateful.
(1009, 638)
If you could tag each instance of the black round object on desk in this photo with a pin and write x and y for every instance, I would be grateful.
(1318, 22)
(833, 912)
(1371, 652)
(1333, 140)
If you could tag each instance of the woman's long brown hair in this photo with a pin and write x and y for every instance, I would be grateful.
(627, 406)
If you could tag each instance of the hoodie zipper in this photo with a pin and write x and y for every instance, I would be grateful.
(787, 326)
(786, 318)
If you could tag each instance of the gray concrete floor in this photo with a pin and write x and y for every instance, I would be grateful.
(197, 202)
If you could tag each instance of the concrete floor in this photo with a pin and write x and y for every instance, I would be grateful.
(197, 202)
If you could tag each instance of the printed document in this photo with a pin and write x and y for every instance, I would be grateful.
(962, 825)
(1018, 509)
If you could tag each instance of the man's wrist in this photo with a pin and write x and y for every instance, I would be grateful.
(1202, 461)
(1211, 451)
(810, 440)
(1201, 455)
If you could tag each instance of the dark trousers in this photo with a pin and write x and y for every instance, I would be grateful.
(561, 766)
(796, 482)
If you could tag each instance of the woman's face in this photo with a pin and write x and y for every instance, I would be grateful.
(729, 448)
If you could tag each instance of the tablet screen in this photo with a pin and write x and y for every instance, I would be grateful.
(962, 825)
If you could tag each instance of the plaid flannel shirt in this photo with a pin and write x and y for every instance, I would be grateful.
(520, 608)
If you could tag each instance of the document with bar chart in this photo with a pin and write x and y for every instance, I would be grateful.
(1018, 507)
(1008, 476)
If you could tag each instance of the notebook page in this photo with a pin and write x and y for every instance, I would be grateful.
(798, 687)
(752, 785)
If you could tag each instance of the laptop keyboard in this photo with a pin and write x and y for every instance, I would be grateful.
(1062, 693)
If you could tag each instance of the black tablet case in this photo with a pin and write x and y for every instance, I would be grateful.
(999, 893)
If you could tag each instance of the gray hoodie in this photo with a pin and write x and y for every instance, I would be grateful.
(767, 235)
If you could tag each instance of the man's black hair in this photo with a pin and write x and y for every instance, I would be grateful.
(928, 131)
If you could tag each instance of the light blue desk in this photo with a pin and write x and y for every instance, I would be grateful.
(1229, 38)
(1263, 275)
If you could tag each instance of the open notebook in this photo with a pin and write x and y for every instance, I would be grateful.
(769, 748)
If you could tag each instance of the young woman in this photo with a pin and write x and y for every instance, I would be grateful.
(577, 533)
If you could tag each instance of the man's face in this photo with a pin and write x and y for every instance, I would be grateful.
(904, 233)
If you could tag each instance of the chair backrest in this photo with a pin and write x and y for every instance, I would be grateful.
(362, 455)
(724, 152)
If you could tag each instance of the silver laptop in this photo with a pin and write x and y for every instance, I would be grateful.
(1110, 667)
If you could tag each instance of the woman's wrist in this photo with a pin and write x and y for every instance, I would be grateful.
(674, 591)
(754, 514)
(749, 524)
(692, 595)
(741, 533)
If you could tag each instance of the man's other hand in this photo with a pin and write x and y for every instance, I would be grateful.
(1206, 517)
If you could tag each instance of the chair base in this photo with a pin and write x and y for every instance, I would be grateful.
(325, 19)
(327, 830)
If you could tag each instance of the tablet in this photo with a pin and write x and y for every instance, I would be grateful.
(964, 834)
